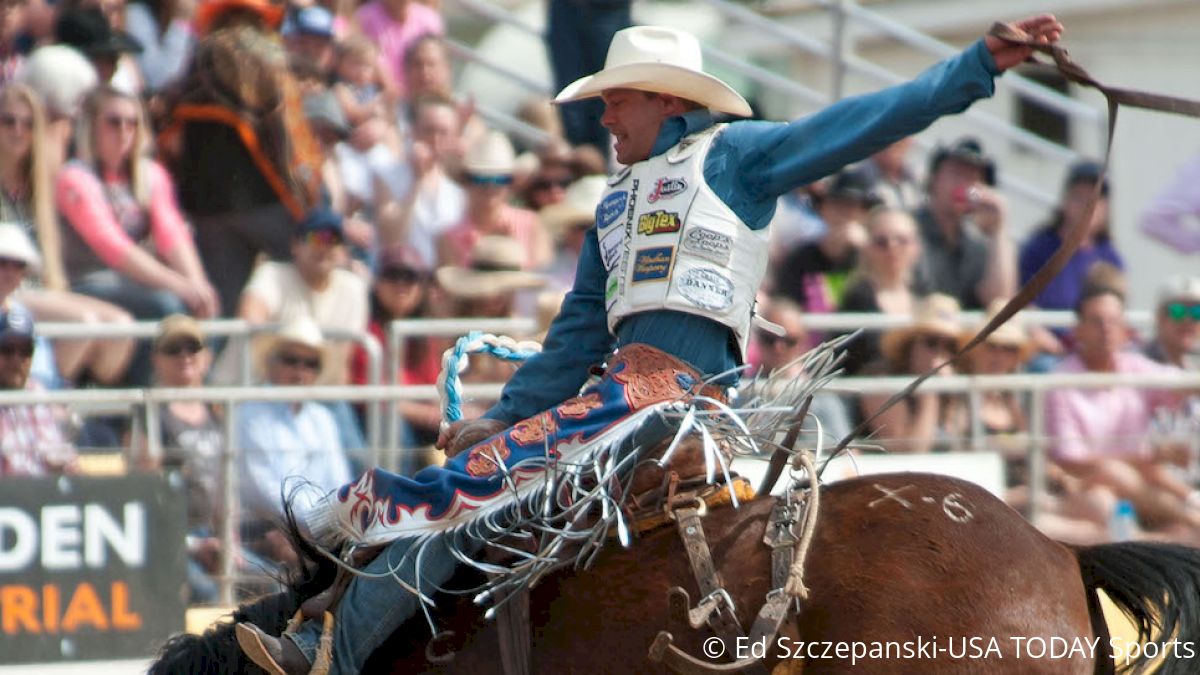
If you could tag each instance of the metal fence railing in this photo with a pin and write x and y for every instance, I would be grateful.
(387, 395)
(381, 397)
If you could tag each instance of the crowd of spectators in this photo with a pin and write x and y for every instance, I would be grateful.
(313, 167)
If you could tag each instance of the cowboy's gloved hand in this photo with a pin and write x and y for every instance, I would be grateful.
(456, 437)
(1043, 28)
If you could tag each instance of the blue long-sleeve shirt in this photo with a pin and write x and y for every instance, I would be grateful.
(748, 166)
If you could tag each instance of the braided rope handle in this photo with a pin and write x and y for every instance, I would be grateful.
(455, 362)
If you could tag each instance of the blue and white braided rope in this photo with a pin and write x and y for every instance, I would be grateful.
(455, 361)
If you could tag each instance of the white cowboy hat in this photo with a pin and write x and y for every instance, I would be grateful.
(661, 60)
(15, 245)
(495, 269)
(491, 155)
(301, 331)
(578, 206)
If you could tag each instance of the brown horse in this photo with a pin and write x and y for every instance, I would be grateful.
(910, 572)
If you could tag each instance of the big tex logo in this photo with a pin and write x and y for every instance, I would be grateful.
(658, 222)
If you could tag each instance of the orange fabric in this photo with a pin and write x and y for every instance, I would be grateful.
(216, 113)
(208, 11)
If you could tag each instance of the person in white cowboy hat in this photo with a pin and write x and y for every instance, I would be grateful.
(488, 175)
(487, 285)
(282, 442)
(668, 275)
(568, 223)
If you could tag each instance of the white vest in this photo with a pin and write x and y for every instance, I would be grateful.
(668, 242)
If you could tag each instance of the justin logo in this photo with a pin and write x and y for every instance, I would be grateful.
(658, 222)
(666, 188)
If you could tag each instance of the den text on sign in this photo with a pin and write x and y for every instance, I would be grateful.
(90, 568)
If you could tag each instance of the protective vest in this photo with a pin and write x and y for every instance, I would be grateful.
(668, 242)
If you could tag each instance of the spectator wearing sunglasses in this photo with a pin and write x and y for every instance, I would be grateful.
(1177, 324)
(313, 286)
(127, 241)
(924, 421)
(488, 167)
(886, 279)
(403, 289)
(32, 235)
(556, 165)
(778, 357)
(193, 443)
(287, 445)
(31, 441)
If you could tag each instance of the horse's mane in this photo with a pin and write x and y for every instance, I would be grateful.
(216, 651)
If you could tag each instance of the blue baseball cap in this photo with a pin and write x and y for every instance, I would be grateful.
(315, 20)
(321, 219)
(15, 322)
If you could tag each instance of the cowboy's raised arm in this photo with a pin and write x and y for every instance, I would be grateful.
(767, 159)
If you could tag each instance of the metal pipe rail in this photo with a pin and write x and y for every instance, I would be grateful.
(875, 321)
(152, 398)
(501, 121)
(1038, 385)
(766, 77)
(235, 328)
(1028, 88)
(869, 69)
(466, 53)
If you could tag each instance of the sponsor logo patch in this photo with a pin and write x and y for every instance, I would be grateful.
(658, 222)
(708, 244)
(706, 288)
(610, 249)
(611, 208)
(665, 188)
(651, 264)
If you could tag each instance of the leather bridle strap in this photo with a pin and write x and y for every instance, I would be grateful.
(1115, 97)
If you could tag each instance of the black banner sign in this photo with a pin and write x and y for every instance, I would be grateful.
(90, 568)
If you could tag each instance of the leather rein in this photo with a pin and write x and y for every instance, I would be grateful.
(1115, 97)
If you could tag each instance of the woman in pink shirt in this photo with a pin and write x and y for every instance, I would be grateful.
(127, 241)
(27, 199)
(393, 25)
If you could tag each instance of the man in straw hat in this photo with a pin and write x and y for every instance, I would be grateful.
(669, 275)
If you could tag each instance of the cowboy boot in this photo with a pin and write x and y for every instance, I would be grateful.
(274, 655)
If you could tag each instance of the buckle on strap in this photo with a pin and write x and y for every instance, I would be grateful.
(717, 601)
